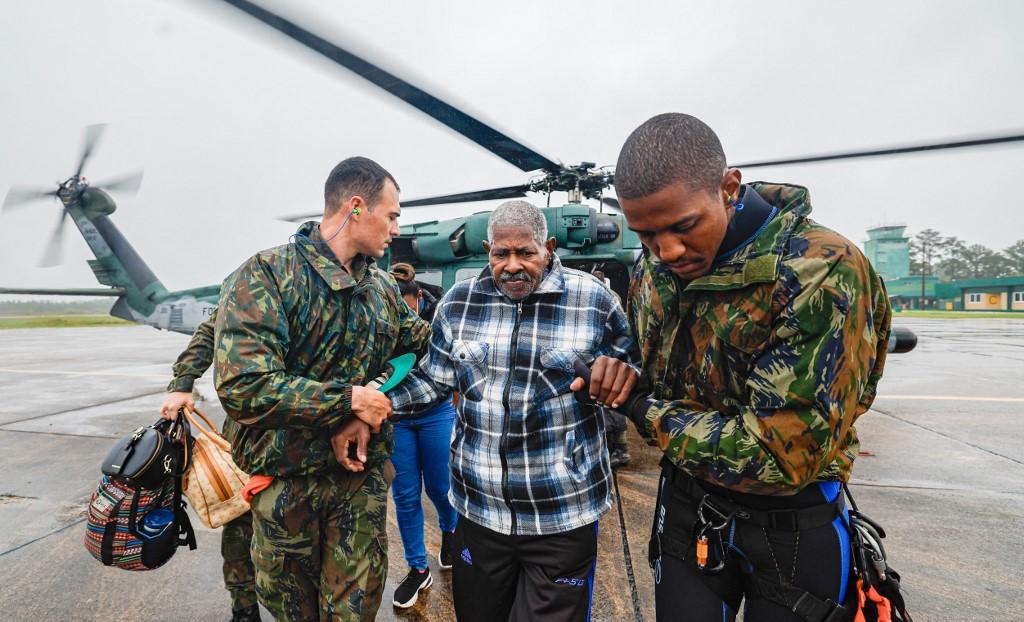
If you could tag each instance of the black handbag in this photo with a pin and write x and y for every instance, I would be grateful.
(150, 454)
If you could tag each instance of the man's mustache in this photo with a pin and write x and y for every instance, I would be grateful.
(510, 277)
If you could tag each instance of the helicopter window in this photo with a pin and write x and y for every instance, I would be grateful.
(466, 273)
(430, 277)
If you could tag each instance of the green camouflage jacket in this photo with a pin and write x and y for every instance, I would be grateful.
(294, 331)
(760, 368)
(195, 359)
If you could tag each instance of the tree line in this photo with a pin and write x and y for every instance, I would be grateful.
(951, 258)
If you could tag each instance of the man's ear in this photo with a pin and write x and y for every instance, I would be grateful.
(731, 182)
(551, 245)
(486, 245)
(356, 206)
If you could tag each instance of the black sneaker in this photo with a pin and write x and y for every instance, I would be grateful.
(619, 457)
(409, 589)
(447, 553)
(247, 614)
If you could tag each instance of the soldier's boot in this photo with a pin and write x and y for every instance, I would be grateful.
(619, 449)
(246, 614)
(619, 457)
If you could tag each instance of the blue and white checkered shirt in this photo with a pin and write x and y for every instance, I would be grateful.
(526, 457)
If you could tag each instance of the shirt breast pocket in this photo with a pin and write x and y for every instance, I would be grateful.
(556, 372)
(739, 342)
(470, 361)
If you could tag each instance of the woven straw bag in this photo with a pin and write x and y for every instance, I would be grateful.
(213, 482)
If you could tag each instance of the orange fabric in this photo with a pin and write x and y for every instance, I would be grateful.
(256, 485)
(882, 604)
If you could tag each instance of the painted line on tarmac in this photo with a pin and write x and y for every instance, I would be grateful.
(8, 370)
(898, 486)
(953, 398)
(948, 436)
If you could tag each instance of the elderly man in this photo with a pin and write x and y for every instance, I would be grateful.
(529, 463)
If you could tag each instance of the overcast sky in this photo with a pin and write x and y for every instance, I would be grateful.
(234, 124)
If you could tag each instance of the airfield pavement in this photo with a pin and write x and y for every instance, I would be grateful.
(942, 470)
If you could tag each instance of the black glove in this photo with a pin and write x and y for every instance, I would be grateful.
(634, 408)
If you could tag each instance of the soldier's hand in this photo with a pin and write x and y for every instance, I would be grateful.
(370, 405)
(353, 433)
(173, 403)
(611, 381)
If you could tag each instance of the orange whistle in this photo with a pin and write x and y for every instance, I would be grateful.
(702, 552)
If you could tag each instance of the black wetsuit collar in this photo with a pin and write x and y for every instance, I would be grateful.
(747, 223)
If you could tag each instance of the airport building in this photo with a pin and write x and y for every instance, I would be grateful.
(888, 250)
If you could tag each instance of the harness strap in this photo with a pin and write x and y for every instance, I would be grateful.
(807, 606)
(783, 520)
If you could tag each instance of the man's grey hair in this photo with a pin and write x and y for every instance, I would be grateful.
(518, 213)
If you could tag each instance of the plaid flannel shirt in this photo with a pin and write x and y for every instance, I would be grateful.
(526, 457)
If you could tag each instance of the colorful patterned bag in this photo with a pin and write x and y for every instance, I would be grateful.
(139, 528)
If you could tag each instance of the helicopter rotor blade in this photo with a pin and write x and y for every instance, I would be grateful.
(507, 192)
(51, 257)
(92, 138)
(886, 151)
(475, 130)
(612, 203)
(20, 195)
(124, 183)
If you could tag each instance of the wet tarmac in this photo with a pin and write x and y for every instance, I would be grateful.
(942, 470)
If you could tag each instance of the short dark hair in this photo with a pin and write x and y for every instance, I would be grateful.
(354, 176)
(668, 149)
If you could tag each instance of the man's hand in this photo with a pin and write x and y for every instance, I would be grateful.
(355, 431)
(173, 403)
(370, 405)
(611, 382)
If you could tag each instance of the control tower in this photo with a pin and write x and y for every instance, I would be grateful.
(888, 250)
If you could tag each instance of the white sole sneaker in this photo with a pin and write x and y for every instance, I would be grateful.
(442, 564)
(415, 597)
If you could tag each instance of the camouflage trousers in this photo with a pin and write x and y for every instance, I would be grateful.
(239, 576)
(320, 544)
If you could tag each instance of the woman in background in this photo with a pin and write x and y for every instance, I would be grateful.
(422, 448)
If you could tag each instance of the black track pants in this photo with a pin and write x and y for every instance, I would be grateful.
(523, 578)
(816, 560)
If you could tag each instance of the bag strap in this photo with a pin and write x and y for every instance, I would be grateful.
(208, 430)
(186, 534)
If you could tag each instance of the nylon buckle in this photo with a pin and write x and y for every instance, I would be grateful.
(785, 520)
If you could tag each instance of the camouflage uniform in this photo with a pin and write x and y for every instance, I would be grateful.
(294, 332)
(236, 536)
(758, 371)
(760, 368)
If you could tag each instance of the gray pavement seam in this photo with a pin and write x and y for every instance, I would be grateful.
(42, 537)
(100, 436)
(71, 410)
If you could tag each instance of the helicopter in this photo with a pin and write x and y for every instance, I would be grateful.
(442, 251)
